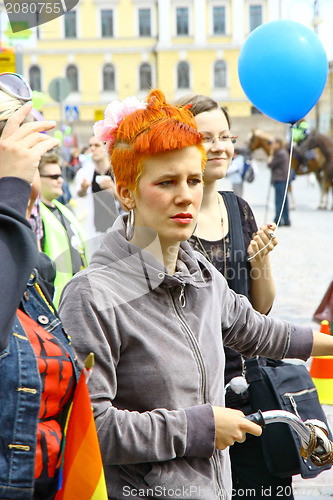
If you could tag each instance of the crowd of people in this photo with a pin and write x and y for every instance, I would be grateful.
(173, 296)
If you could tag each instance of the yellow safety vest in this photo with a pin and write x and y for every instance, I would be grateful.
(57, 245)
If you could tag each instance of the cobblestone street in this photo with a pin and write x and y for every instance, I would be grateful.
(303, 268)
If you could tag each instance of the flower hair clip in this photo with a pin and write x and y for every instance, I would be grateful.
(115, 112)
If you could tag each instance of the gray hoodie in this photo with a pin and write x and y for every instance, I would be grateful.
(158, 343)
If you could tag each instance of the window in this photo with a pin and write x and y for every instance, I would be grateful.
(72, 76)
(220, 76)
(108, 78)
(219, 20)
(183, 75)
(70, 24)
(182, 20)
(255, 16)
(107, 23)
(145, 77)
(35, 78)
(144, 22)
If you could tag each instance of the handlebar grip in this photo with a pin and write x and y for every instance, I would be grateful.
(257, 418)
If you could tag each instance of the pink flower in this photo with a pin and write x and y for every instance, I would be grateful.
(115, 112)
(102, 131)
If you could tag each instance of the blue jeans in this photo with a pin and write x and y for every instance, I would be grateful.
(280, 187)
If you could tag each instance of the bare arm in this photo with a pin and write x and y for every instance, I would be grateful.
(82, 191)
(262, 287)
(322, 344)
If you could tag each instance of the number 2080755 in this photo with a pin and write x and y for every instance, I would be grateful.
(34, 7)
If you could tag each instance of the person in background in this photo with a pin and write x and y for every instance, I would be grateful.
(38, 369)
(74, 163)
(301, 131)
(63, 240)
(235, 172)
(94, 183)
(227, 234)
(278, 163)
(157, 314)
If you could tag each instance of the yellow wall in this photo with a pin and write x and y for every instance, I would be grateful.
(127, 51)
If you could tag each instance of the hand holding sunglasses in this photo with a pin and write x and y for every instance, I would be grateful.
(21, 146)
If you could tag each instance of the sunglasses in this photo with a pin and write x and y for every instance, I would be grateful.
(15, 86)
(54, 176)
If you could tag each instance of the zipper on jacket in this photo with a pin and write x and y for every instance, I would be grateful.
(194, 344)
(182, 301)
(182, 298)
(217, 469)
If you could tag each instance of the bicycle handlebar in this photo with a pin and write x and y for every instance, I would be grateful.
(313, 433)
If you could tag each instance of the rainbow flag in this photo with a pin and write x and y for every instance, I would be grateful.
(82, 473)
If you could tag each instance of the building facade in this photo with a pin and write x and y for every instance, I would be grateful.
(115, 48)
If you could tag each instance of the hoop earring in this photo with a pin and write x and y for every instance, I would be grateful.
(129, 230)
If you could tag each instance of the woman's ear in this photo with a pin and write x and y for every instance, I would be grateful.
(126, 197)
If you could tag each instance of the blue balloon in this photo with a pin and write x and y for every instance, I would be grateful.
(283, 69)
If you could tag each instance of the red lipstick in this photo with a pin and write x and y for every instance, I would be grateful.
(183, 218)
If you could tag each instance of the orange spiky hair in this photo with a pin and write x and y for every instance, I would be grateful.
(157, 128)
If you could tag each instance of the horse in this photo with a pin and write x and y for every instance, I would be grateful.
(325, 144)
(316, 162)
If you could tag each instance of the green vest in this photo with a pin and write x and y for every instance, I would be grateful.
(300, 132)
(57, 245)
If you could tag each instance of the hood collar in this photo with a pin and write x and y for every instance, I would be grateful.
(118, 254)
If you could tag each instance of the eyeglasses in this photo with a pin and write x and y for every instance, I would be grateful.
(222, 138)
(54, 176)
(15, 86)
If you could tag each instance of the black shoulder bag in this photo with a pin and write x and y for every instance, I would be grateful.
(285, 386)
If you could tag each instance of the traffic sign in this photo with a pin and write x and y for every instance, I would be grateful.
(72, 113)
(59, 89)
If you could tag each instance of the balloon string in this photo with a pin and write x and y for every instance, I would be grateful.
(288, 175)
(285, 192)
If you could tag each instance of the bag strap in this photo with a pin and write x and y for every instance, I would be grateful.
(239, 281)
(253, 372)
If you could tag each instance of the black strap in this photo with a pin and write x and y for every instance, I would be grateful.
(238, 280)
(253, 372)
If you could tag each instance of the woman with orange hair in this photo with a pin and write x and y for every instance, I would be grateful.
(156, 313)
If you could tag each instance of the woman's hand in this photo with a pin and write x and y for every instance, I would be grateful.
(231, 426)
(21, 146)
(263, 241)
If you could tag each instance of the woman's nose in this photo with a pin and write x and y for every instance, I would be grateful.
(218, 144)
(184, 193)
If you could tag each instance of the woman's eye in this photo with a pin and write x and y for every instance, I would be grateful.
(165, 183)
(195, 181)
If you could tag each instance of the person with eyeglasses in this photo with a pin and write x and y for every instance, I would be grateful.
(38, 370)
(63, 239)
(227, 235)
(157, 314)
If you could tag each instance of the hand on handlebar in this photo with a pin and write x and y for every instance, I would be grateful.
(231, 426)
